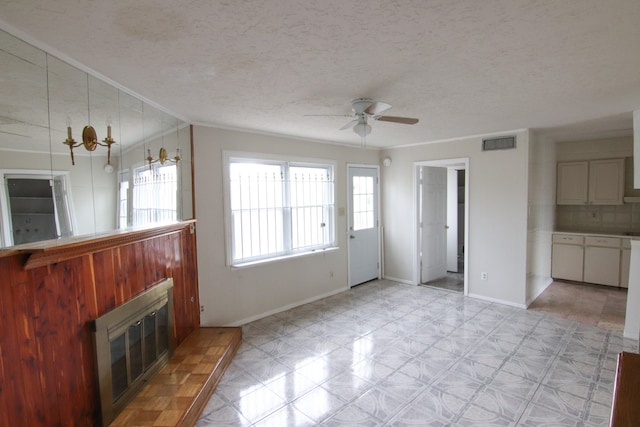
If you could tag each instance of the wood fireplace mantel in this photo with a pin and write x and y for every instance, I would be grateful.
(49, 294)
(52, 251)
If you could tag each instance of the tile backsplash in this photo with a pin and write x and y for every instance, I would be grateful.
(602, 219)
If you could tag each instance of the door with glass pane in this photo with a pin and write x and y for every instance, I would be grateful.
(364, 253)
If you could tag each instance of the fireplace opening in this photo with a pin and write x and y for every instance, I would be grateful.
(132, 343)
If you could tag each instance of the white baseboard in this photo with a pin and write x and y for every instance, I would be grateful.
(631, 335)
(286, 307)
(498, 301)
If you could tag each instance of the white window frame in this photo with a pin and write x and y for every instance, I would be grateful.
(289, 161)
(130, 176)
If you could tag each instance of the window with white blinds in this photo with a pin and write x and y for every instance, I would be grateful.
(279, 208)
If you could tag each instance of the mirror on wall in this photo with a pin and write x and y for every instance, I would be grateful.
(144, 179)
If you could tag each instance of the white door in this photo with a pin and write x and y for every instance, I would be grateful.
(452, 220)
(363, 225)
(433, 216)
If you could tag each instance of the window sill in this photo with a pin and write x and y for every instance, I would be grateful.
(283, 258)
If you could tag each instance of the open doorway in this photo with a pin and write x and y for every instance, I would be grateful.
(442, 226)
(35, 206)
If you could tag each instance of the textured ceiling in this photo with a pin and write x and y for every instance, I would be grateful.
(462, 67)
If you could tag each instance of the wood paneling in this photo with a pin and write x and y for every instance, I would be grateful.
(47, 375)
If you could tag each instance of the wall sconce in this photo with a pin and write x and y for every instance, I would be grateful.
(163, 157)
(89, 140)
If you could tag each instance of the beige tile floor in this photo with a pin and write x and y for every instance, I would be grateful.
(595, 305)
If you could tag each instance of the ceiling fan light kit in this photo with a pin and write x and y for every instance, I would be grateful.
(362, 129)
(365, 109)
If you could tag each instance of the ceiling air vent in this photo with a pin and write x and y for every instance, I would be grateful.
(500, 143)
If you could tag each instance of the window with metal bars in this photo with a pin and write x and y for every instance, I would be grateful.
(279, 208)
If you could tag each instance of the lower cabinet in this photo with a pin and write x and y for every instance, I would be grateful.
(567, 261)
(602, 266)
(625, 263)
(601, 260)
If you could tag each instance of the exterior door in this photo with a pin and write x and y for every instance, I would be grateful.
(363, 225)
(433, 217)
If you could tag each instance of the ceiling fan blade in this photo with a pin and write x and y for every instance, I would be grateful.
(377, 107)
(394, 119)
(349, 125)
(328, 115)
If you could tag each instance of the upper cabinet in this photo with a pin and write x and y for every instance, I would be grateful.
(595, 182)
(573, 183)
(606, 182)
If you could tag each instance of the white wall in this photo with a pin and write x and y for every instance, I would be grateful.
(632, 317)
(541, 223)
(233, 296)
(595, 149)
(497, 214)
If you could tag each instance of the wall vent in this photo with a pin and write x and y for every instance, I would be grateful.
(500, 143)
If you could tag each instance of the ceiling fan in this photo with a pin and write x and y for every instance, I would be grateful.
(365, 109)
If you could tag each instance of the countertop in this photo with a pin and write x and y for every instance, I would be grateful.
(626, 235)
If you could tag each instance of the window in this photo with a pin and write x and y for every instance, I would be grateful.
(279, 208)
(363, 196)
(149, 196)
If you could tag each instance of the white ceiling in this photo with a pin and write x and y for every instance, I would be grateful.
(462, 67)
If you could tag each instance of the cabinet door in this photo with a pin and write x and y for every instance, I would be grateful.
(625, 263)
(572, 185)
(567, 262)
(602, 265)
(606, 182)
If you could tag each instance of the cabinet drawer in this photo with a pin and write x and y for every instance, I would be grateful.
(605, 242)
(568, 239)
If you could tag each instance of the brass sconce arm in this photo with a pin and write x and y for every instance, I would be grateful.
(163, 157)
(90, 141)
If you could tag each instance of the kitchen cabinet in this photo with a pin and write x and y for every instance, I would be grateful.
(594, 182)
(625, 263)
(602, 260)
(599, 259)
(573, 183)
(567, 257)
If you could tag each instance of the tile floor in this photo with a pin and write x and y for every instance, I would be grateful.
(392, 354)
(596, 305)
(451, 282)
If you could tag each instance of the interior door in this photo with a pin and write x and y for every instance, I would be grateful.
(452, 220)
(433, 216)
(363, 225)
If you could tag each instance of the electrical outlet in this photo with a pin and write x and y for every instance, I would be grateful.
(202, 309)
(484, 276)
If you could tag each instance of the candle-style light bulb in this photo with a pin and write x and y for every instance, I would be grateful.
(108, 127)
(68, 127)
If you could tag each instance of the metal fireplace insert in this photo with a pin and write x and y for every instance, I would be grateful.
(132, 343)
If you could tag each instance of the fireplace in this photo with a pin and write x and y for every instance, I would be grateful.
(132, 343)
